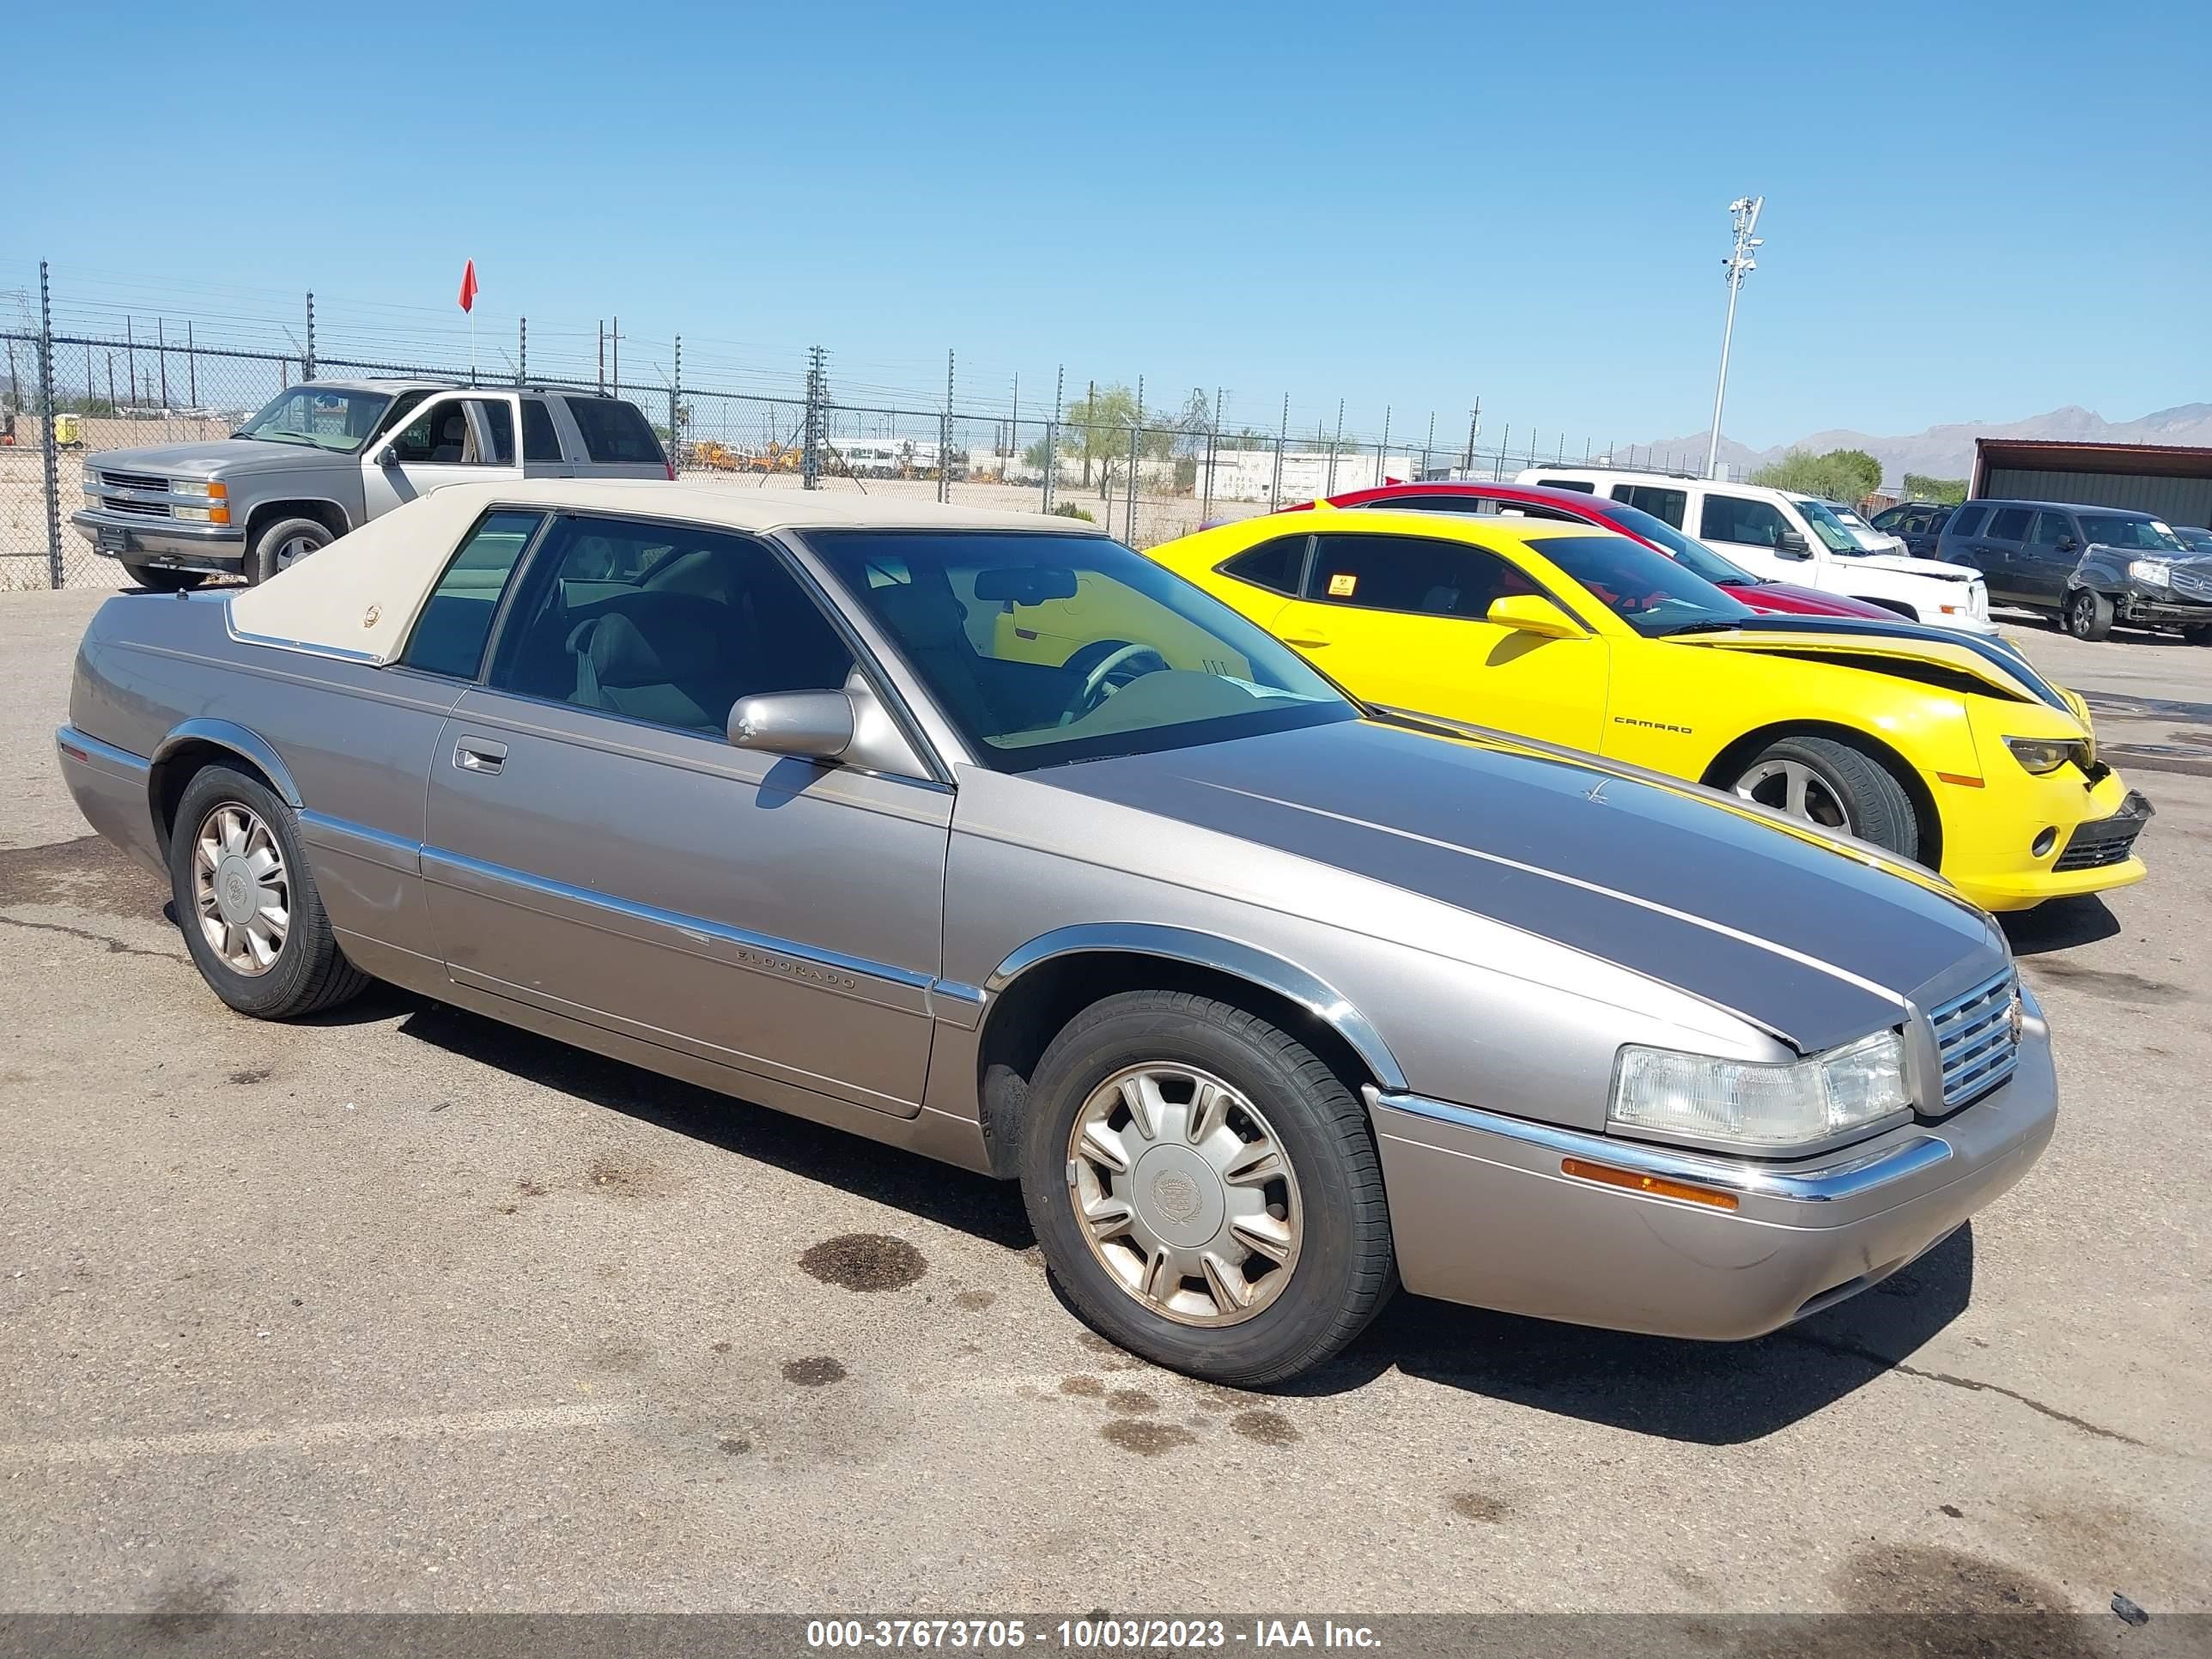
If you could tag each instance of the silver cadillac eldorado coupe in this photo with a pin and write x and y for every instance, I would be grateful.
(921, 823)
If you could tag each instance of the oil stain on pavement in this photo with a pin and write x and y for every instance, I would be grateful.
(864, 1261)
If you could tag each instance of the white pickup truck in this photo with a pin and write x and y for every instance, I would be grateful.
(1791, 538)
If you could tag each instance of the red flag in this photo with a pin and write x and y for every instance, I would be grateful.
(469, 287)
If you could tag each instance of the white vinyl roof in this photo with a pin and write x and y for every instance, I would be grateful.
(362, 593)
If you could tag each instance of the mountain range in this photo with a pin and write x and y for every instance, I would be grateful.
(1948, 451)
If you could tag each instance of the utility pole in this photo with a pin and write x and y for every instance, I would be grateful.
(1282, 437)
(1744, 213)
(1383, 454)
(48, 462)
(614, 337)
(602, 382)
(191, 368)
(522, 351)
(162, 357)
(809, 456)
(676, 404)
(1473, 425)
(1052, 435)
(944, 436)
(308, 368)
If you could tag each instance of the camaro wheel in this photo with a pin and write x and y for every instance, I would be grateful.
(1205, 1188)
(1835, 786)
(162, 580)
(247, 905)
(2088, 615)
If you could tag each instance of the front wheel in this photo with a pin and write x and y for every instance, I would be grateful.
(2088, 614)
(1832, 786)
(246, 901)
(157, 579)
(1206, 1190)
(283, 544)
(2200, 635)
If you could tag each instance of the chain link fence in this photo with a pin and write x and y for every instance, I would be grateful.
(67, 397)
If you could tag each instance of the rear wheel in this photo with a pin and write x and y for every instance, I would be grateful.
(2200, 635)
(162, 581)
(246, 901)
(1833, 786)
(2088, 614)
(1205, 1188)
(283, 544)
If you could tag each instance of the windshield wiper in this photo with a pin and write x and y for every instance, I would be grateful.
(1710, 626)
(278, 438)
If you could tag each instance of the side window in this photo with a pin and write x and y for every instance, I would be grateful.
(1739, 518)
(1273, 565)
(1434, 504)
(400, 405)
(1672, 505)
(459, 432)
(1409, 573)
(1965, 520)
(449, 636)
(1587, 488)
(540, 442)
(2052, 528)
(615, 434)
(2008, 524)
(664, 623)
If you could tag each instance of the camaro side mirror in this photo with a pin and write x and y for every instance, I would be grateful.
(817, 725)
(1532, 613)
(1793, 546)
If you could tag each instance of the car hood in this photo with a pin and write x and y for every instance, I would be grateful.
(1939, 569)
(1818, 940)
(223, 458)
(1882, 650)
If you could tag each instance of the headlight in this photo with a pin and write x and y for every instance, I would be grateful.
(2044, 755)
(188, 486)
(189, 515)
(2156, 572)
(1699, 1097)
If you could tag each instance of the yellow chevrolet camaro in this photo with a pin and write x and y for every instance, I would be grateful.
(1953, 752)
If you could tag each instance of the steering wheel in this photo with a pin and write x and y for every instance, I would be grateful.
(1094, 690)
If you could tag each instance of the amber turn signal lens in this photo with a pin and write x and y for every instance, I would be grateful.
(218, 491)
(1629, 1180)
(219, 514)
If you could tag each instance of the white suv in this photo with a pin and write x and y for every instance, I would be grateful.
(1791, 537)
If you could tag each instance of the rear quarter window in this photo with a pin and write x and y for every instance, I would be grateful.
(615, 434)
(1965, 521)
(2008, 524)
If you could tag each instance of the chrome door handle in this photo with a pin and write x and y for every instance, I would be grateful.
(479, 755)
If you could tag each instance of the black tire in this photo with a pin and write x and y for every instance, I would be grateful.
(262, 559)
(159, 579)
(1343, 1270)
(2088, 614)
(309, 973)
(2199, 635)
(1872, 801)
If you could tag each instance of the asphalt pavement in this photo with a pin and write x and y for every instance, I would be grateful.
(403, 1309)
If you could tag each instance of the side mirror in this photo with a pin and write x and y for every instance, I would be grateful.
(1532, 613)
(1793, 546)
(388, 456)
(2067, 544)
(816, 725)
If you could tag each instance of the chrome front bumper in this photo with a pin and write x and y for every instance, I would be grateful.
(1484, 1212)
(161, 541)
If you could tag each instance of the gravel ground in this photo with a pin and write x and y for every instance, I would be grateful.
(402, 1309)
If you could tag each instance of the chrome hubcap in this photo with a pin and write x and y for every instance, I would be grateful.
(295, 550)
(1796, 788)
(241, 892)
(1184, 1194)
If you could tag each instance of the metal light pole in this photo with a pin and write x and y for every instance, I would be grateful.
(1745, 211)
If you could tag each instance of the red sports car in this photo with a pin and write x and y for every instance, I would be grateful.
(1538, 501)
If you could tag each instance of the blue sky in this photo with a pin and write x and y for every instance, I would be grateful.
(1973, 212)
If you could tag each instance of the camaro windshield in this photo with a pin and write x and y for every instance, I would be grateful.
(1831, 529)
(324, 416)
(1652, 593)
(1045, 648)
(2134, 535)
(1692, 554)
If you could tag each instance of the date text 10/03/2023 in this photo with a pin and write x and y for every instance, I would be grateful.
(1088, 1633)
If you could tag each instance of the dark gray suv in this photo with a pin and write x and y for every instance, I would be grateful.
(2091, 566)
(1917, 523)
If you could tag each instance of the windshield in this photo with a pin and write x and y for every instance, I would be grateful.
(1832, 530)
(1652, 593)
(1693, 555)
(1045, 648)
(324, 418)
(2135, 535)
(1850, 518)
(2196, 537)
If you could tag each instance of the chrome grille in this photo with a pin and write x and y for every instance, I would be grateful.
(135, 509)
(135, 480)
(2192, 583)
(1975, 1041)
